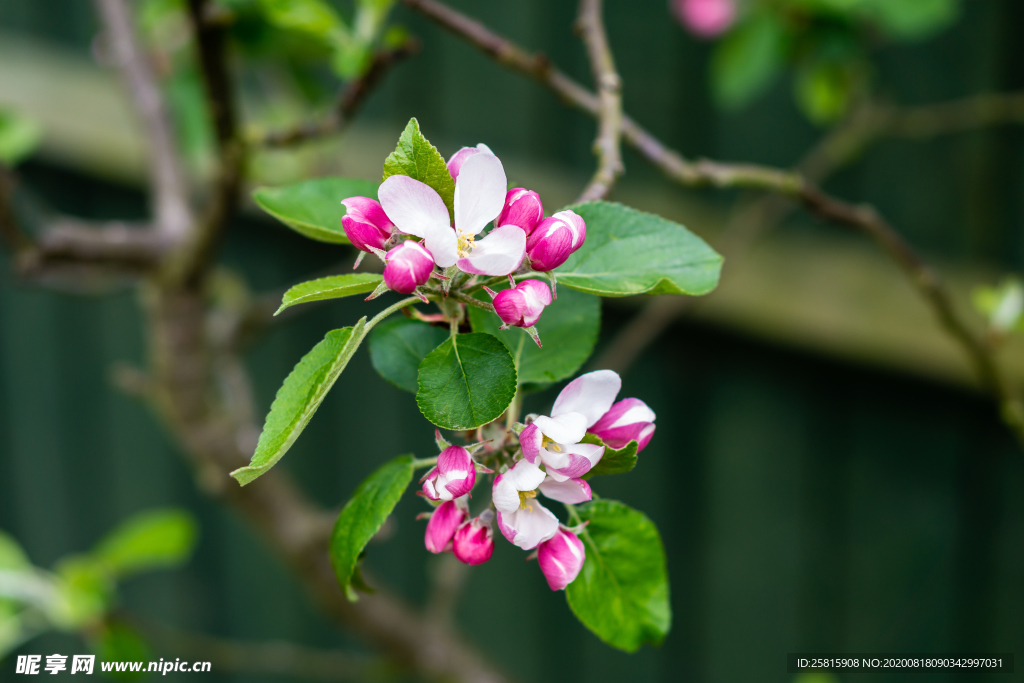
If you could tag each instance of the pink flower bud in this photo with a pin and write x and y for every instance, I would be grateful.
(628, 420)
(522, 208)
(522, 305)
(550, 244)
(365, 223)
(705, 18)
(474, 541)
(454, 475)
(443, 524)
(408, 266)
(561, 559)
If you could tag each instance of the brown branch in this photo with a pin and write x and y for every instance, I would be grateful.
(609, 93)
(171, 212)
(348, 103)
(706, 172)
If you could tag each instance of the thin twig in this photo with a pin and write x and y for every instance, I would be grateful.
(348, 103)
(609, 91)
(171, 212)
(706, 172)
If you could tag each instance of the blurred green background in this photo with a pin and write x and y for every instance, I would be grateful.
(823, 475)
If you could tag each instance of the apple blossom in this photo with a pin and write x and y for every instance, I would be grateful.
(521, 305)
(522, 208)
(456, 160)
(705, 18)
(628, 420)
(551, 243)
(511, 489)
(409, 265)
(561, 558)
(417, 209)
(453, 476)
(474, 541)
(529, 525)
(443, 524)
(570, 491)
(365, 223)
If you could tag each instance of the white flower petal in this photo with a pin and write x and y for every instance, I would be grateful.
(415, 208)
(479, 193)
(531, 525)
(524, 475)
(499, 253)
(571, 491)
(565, 428)
(591, 394)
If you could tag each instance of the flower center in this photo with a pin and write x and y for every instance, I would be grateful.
(524, 498)
(545, 442)
(465, 244)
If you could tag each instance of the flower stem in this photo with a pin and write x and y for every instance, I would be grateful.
(496, 280)
(420, 463)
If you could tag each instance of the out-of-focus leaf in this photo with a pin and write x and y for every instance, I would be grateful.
(363, 516)
(85, 590)
(11, 554)
(314, 17)
(913, 19)
(399, 345)
(568, 329)
(148, 540)
(1003, 305)
(299, 397)
(19, 137)
(417, 158)
(466, 382)
(313, 207)
(824, 89)
(119, 642)
(747, 61)
(631, 252)
(621, 593)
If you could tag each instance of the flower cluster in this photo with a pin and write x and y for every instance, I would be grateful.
(551, 459)
(522, 239)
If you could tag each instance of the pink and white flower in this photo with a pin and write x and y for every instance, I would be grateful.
(459, 158)
(551, 243)
(522, 305)
(474, 541)
(416, 209)
(409, 265)
(561, 558)
(528, 525)
(452, 477)
(523, 478)
(443, 524)
(705, 18)
(523, 208)
(570, 491)
(628, 420)
(555, 439)
(365, 223)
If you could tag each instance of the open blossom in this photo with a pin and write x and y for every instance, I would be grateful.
(474, 541)
(522, 208)
(459, 158)
(443, 524)
(409, 265)
(522, 305)
(416, 209)
(365, 223)
(561, 558)
(557, 237)
(705, 18)
(571, 491)
(628, 420)
(452, 477)
(528, 525)
(555, 439)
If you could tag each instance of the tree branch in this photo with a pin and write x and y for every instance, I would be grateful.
(171, 212)
(609, 93)
(348, 103)
(705, 172)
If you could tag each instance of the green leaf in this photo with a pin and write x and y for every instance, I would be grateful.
(1003, 305)
(748, 60)
(824, 89)
(399, 345)
(315, 17)
(299, 397)
(85, 590)
(313, 207)
(119, 642)
(333, 287)
(19, 137)
(11, 554)
(913, 19)
(363, 516)
(417, 158)
(150, 539)
(613, 461)
(621, 593)
(466, 382)
(568, 329)
(631, 252)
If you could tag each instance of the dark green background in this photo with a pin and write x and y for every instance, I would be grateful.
(805, 504)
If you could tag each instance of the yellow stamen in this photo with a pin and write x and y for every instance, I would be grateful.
(465, 244)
